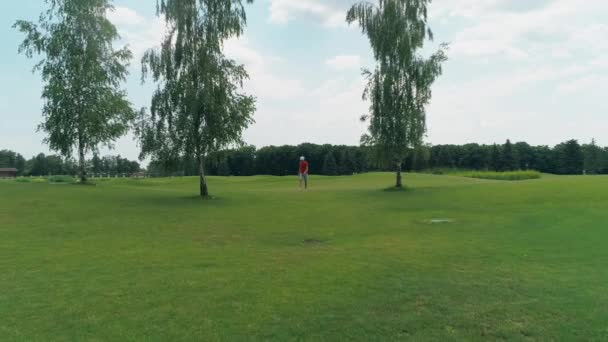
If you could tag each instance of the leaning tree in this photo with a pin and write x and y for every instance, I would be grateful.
(198, 107)
(399, 87)
(84, 106)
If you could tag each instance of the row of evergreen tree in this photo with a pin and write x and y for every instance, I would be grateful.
(45, 165)
(273, 160)
(566, 158)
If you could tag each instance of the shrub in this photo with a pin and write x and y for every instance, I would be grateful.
(61, 179)
(506, 176)
(446, 171)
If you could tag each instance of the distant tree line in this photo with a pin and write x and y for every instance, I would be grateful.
(112, 165)
(274, 160)
(566, 158)
(45, 165)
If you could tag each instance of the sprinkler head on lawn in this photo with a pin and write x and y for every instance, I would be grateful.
(440, 221)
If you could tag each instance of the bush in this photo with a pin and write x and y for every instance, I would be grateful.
(61, 179)
(30, 180)
(446, 171)
(506, 176)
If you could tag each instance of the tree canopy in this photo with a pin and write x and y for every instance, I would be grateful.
(82, 73)
(198, 107)
(399, 87)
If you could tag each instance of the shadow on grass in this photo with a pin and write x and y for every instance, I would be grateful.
(87, 183)
(179, 202)
(398, 189)
(199, 198)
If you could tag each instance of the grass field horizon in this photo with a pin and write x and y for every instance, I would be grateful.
(147, 259)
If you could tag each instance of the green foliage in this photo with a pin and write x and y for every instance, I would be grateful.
(113, 165)
(330, 167)
(198, 107)
(242, 161)
(82, 73)
(399, 87)
(223, 168)
(495, 158)
(420, 158)
(50, 179)
(595, 159)
(525, 156)
(441, 159)
(44, 165)
(61, 179)
(569, 157)
(273, 160)
(522, 156)
(10, 159)
(506, 176)
(346, 160)
(508, 161)
(445, 171)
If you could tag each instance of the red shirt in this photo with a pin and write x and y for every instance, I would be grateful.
(303, 166)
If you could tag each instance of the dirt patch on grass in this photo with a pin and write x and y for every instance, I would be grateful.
(312, 242)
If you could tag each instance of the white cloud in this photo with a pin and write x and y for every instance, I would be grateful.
(331, 14)
(492, 29)
(124, 16)
(520, 104)
(515, 67)
(142, 33)
(600, 63)
(138, 32)
(461, 8)
(291, 111)
(265, 82)
(585, 83)
(327, 112)
(344, 62)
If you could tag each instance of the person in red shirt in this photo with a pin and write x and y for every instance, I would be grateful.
(303, 173)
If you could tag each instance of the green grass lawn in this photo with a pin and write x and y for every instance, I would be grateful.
(147, 260)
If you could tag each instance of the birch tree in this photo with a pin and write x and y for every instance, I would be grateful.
(399, 87)
(198, 106)
(84, 106)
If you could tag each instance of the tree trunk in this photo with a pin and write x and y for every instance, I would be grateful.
(82, 169)
(203, 181)
(399, 181)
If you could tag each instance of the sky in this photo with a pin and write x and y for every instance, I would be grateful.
(525, 70)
